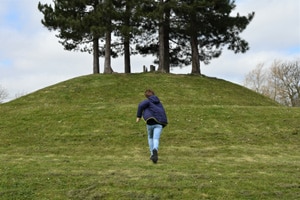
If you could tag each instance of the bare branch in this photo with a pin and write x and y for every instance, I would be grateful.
(3, 94)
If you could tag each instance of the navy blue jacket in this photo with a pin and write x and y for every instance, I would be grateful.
(152, 108)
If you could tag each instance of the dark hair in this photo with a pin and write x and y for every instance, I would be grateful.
(149, 93)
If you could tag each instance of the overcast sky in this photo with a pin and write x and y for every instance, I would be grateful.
(31, 57)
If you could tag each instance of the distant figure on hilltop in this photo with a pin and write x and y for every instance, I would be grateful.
(155, 117)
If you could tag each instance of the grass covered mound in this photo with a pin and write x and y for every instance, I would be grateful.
(78, 140)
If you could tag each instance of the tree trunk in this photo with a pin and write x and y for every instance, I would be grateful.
(107, 61)
(127, 67)
(96, 65)
(164, 61)
(166, 41)
(127, 55)
(194, 46)
(195, 55)
(161, 57)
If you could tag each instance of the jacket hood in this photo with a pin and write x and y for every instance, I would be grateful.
(154, 99)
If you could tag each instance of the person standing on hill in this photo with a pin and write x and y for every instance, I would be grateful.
(155, 117)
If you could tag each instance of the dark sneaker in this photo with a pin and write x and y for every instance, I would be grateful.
(154, 156)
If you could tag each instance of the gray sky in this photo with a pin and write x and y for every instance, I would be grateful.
(31, 57)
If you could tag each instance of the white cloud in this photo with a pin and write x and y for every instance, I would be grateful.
(276, 24)
(274, 34)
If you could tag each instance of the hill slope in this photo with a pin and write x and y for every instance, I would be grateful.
(175, 89)
(78, 140)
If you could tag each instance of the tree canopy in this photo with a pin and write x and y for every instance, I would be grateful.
(177, 32)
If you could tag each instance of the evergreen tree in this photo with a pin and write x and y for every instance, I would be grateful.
(177, 32)
(79, 23)
(155, 39)
(127, 28)
(208, 26)
(191, 31)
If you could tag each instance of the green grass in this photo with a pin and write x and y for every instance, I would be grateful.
(78, 140)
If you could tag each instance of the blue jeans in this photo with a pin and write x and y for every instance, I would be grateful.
(154, 132)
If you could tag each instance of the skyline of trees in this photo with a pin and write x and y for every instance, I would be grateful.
(178, 33)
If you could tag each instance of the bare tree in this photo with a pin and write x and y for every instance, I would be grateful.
(3, 94)
(286, 77)
(256, 78)
(281, 82)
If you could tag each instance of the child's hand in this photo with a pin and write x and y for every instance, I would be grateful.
(138, 119)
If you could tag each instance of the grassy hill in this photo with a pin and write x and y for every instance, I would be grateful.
(78, 140)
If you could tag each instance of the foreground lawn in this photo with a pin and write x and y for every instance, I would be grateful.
(240, 158)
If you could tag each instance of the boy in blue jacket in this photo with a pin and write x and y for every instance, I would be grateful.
(155, 116)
